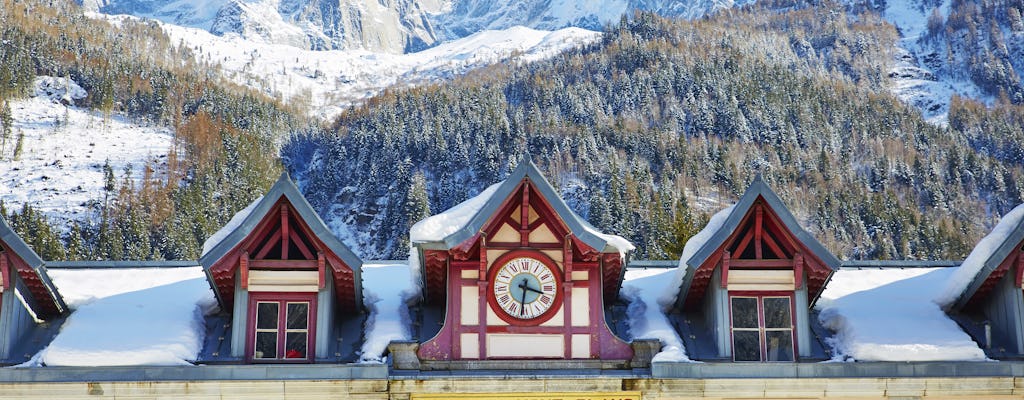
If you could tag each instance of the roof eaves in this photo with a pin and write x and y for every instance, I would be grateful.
(990, 265)
(14, 242)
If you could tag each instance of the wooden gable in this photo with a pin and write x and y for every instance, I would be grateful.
(282, 241)
(278, 233)
(762, 253)
(17, 257)
(1014, 258)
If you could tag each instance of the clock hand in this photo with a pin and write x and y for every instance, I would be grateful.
(533, 290)
(522, 299)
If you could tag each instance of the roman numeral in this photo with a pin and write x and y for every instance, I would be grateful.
(503, 299)
(549, 288)
(500, 288)
(545, 299)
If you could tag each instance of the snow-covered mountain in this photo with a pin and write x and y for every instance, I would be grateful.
(393, 26)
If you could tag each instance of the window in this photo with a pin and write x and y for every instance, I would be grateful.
(281, 327)
(762, 328)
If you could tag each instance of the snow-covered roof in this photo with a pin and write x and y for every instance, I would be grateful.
(645, 315)
(41, 290)
(450, 228)
(887, 314)
(991, 251)
(721, 226)
(133, 316)
(245, 221)
(388, 286)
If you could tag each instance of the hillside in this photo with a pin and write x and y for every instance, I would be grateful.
(664, 120)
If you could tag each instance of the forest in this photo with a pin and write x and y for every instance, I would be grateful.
(645, 133)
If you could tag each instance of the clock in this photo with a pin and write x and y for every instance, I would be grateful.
(525, 288)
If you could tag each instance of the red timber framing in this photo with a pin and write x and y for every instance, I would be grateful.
(524, 225)
(760, 242)
(282, 241)
(44, 305)
(1014, 259)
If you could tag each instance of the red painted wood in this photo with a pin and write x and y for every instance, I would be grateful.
(321, 264)
(269, 245)
(725, 270)
(285, 236)
(747, 238)
(1020, 267)
(774, 247)
(243, 266)
(283, 264)
(5, 271)
(548, 330)
(758, 231)
(765, 263)
(798, 270)
(567, 318)
(513, 246)
(282, 298)
(301, 245)
(524, 217)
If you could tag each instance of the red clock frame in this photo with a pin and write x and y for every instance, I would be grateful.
(492, 301)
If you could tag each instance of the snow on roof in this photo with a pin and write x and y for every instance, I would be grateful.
(889, 315)
(646, 317)
(694, 244)
(229, 227)
(387, 287)
(130, 317)
(437, 227)
(624, 246)
(979, 257)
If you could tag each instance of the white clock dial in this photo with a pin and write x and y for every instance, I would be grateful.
(525, 288)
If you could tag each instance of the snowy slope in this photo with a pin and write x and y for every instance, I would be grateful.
(327, 82)
(914, 82)
(60, 168)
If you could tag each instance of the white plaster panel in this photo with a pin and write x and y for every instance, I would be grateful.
(558, 319)
(506, 234)
(580, 306)
(580, 346)
(493, 319)
(284, 281)
(470, 309)
(580, 275)
(542, 234)
(523, 345)
(469, 343)
(470, 274)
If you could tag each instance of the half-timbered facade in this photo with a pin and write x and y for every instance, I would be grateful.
(26, 296)
(748, 289)
(284, 278)
(991, 305)
(523, 279)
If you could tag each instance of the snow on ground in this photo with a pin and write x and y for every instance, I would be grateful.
(646, 316)
(386, 289)
(889, 315)
(913, 82)
(60, 170)
(130, 317)
(988, 245)
(328, 82)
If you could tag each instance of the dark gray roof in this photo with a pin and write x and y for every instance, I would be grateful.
(284, 187)
(14, 243)
(526, 170)
(758, 188)
(1015, 237)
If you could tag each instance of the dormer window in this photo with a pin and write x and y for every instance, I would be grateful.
(281, 327)
(762, 327)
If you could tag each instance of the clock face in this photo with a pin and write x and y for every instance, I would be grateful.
(525, 288)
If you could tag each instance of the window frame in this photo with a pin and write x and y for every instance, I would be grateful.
(282, 299)
(761, 328)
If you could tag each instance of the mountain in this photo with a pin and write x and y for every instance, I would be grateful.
(390, 26)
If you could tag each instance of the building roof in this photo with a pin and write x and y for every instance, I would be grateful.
(985, 265)
(42, 297)
(234, 233)
(757, 189)
(583, 231)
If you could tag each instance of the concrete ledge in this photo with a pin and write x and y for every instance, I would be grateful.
(196, 373)
(837, 370)
(498, 365)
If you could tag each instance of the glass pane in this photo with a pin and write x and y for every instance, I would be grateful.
(744, 312)
(296, 345)
(266, 315)
(746, 345)
(298, 315)
(780, 345)
(776, 312)
(266, 345)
